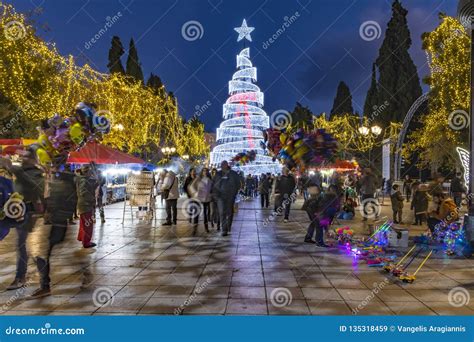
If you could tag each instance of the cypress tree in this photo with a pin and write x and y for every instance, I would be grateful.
(134, 68)
(343, 100)
(371, 102)
(115, 53)
(154, 82)
(399, 83)
(302, 117)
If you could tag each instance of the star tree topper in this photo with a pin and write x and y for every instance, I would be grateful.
(244, 31)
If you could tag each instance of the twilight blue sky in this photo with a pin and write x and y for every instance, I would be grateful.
(320, 48)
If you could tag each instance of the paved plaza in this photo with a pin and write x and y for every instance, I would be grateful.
(259, 269)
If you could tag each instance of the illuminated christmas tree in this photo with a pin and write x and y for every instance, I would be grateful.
(244, 117)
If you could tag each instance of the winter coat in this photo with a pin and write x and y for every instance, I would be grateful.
(397, 200)
(420, 202)
(86, 186)
(60, 204)
(264, 186)
(187, 183)
(226, 184)
(456, 185)
(171, 183)
(285, 185)
(368, 185)
(29, 182)
(200, 189)
(446, 211)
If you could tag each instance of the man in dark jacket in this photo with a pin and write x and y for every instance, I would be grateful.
(29, 182)
(284, 189)
(225, 188)
(264, 189)
(457, 189)
(59, 209)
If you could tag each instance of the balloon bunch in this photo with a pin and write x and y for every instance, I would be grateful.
(12, 206)
(59, 136)
(300, 148)
(244, 157)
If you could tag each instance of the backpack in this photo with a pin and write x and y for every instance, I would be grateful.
(12, 207)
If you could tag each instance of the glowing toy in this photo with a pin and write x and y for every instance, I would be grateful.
(395, 268)
(411, 277)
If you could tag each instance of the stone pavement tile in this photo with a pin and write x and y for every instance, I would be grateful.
(123, 304)
(357, 294)
(247, 306)
(295, 292)
(42, 304)
(326, 308)
(211, 292)
(79, 304)
(216, 280)
(241, 292)
(151, 272)
(148, 280)
(444, 308)
(173, 291)
(409, 308)
(90, 290)
(65, 290)
(114, 280)
(137, 291)
(277, 280)
(314, 281)
(429, 296)
(206, 306)
(389, 295)
(159, 305)
(26, 313)
(296, 307)
(69, 313)
(242, 280)
(321, 294)
(371, 307)
(348, 282)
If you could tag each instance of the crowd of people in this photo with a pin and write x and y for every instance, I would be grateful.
(63, 196)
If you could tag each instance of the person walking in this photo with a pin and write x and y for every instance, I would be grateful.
(59, 209)
(200, 190)
(419, 204)
(407, 184)
(29, 182)
(285, 187)
(86, 185)
(227, 184)
(368, 187)
(264, 190)
(159, 185)
(192, 208)
(457, 189)
(397, 204)
(215, 219)
(170, 193)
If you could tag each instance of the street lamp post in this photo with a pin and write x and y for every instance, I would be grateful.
(167, 151)
(365, 131)
(466, 16)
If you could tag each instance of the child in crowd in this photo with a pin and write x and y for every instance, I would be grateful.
(348, 210)
(397, 204)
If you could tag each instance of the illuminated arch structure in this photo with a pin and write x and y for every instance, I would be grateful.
(244, 121)
(401, 138)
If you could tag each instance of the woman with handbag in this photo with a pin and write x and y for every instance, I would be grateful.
(200, 190)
